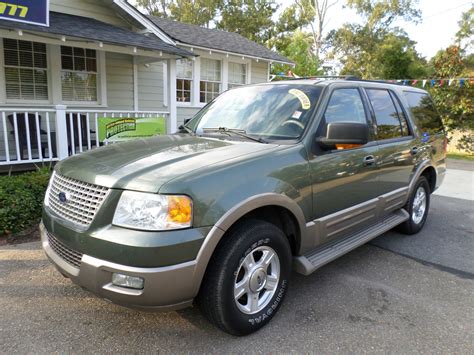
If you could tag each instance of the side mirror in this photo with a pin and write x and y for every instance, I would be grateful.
(344, 133)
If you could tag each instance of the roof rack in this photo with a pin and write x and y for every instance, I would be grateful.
(315, 77)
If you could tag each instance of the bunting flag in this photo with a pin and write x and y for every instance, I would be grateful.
(424, 83)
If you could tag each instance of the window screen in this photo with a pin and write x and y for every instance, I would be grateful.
(345, 105)
(78, 74)
(388, 123)
(26, 70)
(424, 112)
(210, 84)
(184, 79)
(237, 74)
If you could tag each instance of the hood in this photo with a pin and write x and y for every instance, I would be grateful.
(147, 164)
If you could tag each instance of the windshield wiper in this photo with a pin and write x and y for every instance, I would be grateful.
(230, 131)
(187, 129)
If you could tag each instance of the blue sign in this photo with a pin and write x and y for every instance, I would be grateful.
(35, 12)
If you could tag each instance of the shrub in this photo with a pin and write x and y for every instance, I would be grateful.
(21, 199)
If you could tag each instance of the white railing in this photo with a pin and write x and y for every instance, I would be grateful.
(45, 135)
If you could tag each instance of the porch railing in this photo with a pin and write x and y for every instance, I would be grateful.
(49, 134)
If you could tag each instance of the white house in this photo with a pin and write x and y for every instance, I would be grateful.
(104, 58)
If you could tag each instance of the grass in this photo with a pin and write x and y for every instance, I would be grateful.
(461, 156)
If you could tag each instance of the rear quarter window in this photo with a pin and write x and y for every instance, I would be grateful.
(424, 113)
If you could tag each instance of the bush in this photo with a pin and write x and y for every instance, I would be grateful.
(21, 199)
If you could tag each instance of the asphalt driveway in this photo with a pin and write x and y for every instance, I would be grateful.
(397, 294)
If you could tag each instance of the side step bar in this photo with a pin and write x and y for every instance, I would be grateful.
(314, 259)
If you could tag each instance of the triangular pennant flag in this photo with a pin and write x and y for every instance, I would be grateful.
(433, 82)
(450, 82)
(461, 82)
(414, 82)
(423, 83)
(405, 82)
(441, 82)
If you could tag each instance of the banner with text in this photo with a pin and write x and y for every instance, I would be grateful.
(29, 11)
(126, 128)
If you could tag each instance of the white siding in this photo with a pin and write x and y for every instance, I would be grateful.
(96, 9)
(259, 72)
(186, 112)
(150, 87)
(119, 68)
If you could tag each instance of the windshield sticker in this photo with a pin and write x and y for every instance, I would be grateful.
(304, 99)
(297, 115)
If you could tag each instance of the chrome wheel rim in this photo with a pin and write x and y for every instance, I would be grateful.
(419, 205)
(256, 280)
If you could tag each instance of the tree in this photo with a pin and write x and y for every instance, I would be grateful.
(155, 7)
(315, 12)
(250, 18)
(455, 102)
(375, 49)
(466, 30)
(197, 12)
(300, 51)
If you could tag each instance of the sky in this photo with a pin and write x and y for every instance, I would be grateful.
(436, 31)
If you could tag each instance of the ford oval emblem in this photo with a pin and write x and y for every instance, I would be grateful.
(62, 197)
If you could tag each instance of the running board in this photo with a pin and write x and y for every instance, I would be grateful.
(314, 259)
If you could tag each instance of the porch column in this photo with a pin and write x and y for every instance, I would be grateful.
(171, 87)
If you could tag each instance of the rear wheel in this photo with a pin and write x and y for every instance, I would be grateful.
(417, 206)
(247, 278)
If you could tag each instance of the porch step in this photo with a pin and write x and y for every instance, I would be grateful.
(314, 259)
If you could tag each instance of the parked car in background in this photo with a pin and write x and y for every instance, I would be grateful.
(264, 179)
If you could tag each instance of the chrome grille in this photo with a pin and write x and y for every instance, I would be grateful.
(67, 254)
(83, 199)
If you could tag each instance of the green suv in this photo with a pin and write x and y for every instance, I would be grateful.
(264, 179)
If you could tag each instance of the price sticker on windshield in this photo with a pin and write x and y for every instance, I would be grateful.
(304, 99)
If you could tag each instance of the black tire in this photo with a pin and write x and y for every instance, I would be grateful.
(216, 297)
(410, 226)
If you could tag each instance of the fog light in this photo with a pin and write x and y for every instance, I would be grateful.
(128, 281)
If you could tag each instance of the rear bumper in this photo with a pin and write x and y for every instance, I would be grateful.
(165, 288)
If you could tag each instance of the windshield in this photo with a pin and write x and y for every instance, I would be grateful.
(280, 111)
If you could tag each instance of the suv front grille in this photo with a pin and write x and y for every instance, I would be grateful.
(83, 200)
(67, 254)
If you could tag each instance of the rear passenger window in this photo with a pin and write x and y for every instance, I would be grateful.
(345, 105)
(424, 112)
(401, 115)
(386, 115)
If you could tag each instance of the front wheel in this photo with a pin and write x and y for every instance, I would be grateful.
(417, 206)
(247, 278)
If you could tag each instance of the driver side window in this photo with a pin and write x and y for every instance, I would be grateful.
(345, 105)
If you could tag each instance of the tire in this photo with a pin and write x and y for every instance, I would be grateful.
(417, 217)
(231, 265)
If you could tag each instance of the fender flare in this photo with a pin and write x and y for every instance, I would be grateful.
(233, 215)
(418, 172)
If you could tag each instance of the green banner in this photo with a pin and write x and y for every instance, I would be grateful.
(126, 128)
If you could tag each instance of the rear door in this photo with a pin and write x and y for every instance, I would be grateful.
(397, 146)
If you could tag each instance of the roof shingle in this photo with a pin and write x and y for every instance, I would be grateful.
(88, 28)
(214, 39)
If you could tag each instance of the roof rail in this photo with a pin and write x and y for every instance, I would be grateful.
(315, 77)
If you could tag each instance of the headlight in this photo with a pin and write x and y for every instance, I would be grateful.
(146, 211)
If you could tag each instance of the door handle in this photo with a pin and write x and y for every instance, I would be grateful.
(369, 160)
(414, 150)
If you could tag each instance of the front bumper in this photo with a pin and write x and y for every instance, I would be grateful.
(165, 288)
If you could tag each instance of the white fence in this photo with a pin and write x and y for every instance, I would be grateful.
(51, 134)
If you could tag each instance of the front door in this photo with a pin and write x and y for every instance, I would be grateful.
(397, 146)
(345, 180)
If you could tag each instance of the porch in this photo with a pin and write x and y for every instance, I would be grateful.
(37, 135)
